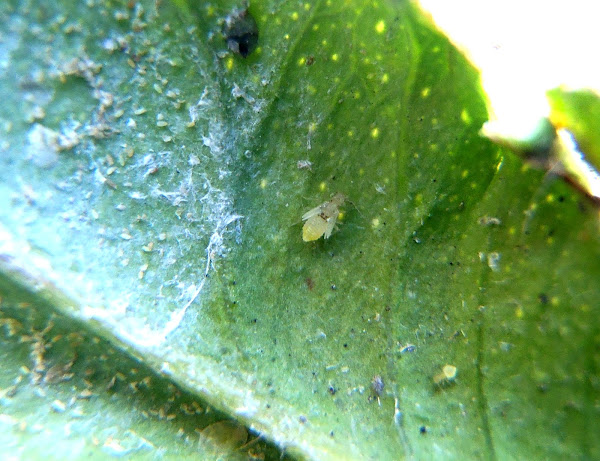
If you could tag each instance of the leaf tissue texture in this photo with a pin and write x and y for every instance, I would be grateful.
(152, 185)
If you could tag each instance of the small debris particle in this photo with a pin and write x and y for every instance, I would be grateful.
(377, 384)
(142, 271)
(332, 390)
(37, 113)
(493, 260)
(85, 394)
(310, 61)
(423, 430)
(302, 419)
(304, 165)
(407, 348)
(489, 221)
(58, 406)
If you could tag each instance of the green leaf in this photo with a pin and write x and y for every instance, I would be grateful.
(151, 193)
(69, 393)
(579, 112)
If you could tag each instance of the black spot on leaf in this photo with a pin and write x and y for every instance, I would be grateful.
(241, 32)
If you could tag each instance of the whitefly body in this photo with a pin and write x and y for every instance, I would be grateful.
(321, 220)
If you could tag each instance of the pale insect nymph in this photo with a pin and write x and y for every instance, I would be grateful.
(321, 220)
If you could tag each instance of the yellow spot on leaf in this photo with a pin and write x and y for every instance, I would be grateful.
(229, 63)
(335, 57)
(263, 183)
(375, 133)
(465, 117)
(448, 374)
(425, 92)
(380, 27)
(302, 61)
(322, 187)
(295, 16)
(519, 312)
(385, 78)
(375, 223)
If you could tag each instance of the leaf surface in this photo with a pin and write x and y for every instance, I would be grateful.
(158, 202)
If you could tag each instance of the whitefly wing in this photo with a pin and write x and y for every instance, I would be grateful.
(315, 211)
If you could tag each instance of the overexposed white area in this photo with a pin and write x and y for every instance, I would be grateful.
(523, 48)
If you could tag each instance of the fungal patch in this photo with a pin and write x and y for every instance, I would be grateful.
(44, 144)
(321, 220)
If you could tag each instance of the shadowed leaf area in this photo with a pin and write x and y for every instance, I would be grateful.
(155, 170)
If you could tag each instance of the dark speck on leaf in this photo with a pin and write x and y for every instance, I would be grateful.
(423, 430)
(309, 283)
(241, 32)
